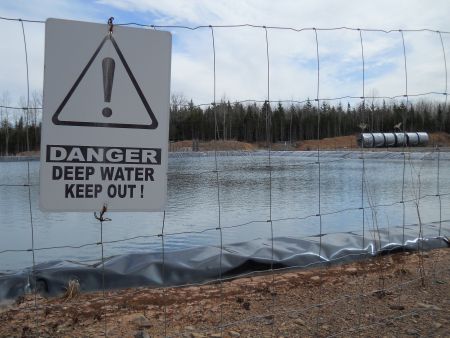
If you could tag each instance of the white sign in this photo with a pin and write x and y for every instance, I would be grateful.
(105, 123)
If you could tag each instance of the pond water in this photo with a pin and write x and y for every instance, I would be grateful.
(246, 193)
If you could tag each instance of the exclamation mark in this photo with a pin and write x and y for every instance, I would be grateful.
(108, 66)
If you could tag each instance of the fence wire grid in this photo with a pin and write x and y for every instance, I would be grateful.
(270, 317)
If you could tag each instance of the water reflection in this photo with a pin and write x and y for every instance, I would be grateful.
(244, 193)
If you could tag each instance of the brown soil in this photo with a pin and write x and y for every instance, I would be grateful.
(334, 143)
(379, 297)
(212, 145)
(442, 139)
(340, 142)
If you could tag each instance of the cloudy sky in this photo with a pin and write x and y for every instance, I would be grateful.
(241, 65)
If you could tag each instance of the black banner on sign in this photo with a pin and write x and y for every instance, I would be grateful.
(94, 154)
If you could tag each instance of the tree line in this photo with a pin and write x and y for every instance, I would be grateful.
(20, 130)
(297, 122)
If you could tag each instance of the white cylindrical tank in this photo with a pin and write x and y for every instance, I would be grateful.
(423, 138)
(365, 140)
(390, 140)
(412, 139)
(378, 140)
(400, 139)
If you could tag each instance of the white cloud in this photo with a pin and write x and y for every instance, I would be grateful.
(388, 14)
(241, 66)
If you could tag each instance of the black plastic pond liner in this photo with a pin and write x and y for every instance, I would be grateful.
(202, 264)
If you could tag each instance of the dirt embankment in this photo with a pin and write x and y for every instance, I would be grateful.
(441, 139)
(189, 145)
(379, 297)
(333, 143)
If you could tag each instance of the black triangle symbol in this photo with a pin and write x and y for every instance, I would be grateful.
(154, 123)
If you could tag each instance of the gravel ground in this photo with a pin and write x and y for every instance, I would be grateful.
(399, 295)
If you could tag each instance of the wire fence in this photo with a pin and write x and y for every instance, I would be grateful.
(263, 298)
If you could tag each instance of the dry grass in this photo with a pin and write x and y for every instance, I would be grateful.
(72, 290)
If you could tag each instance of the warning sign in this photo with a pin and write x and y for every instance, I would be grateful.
(105, 118)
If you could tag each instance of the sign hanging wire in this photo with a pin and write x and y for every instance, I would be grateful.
(110, 25)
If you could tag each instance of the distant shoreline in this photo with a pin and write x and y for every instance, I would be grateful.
(340, 143)
(19, 158)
